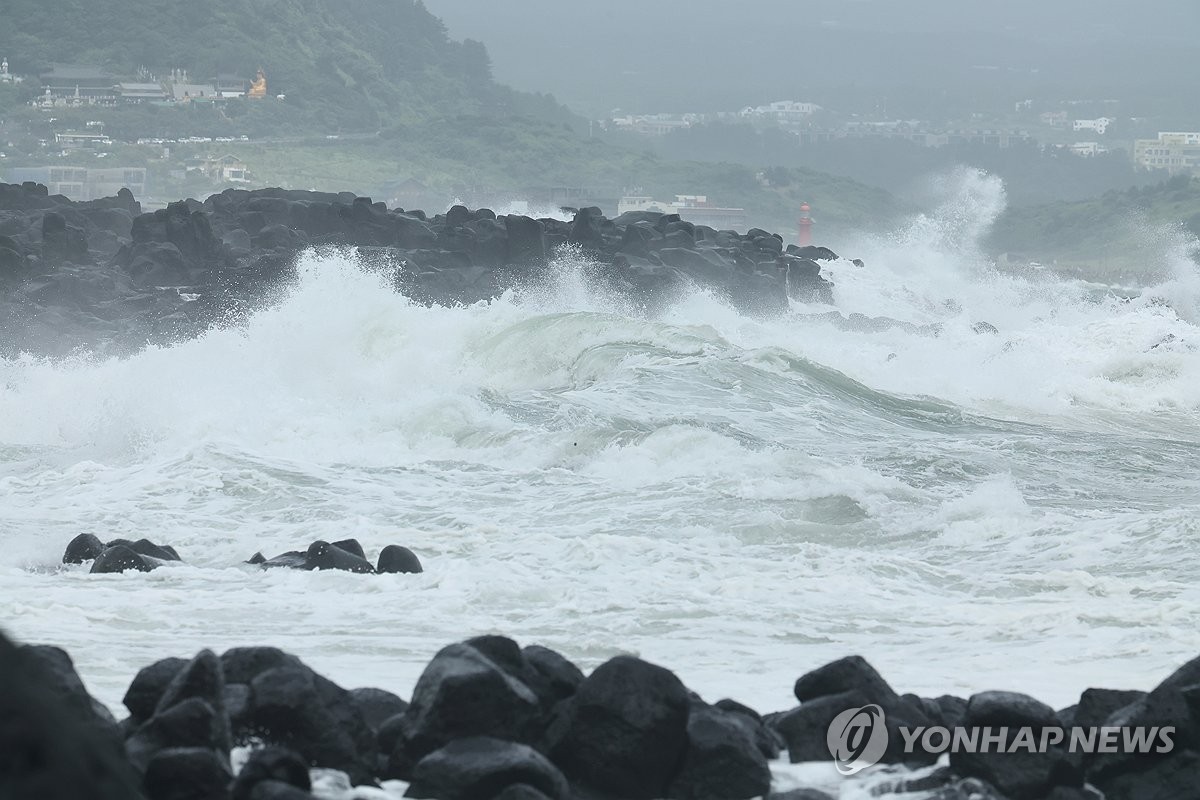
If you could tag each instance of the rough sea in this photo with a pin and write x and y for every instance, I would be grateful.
(737, 499)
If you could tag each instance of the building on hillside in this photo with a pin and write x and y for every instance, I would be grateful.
(82, 141)
(782, 111)
(230, 86)
(998, 138)
(1098, 125)
(188, 92)
(67, 84)
(1177, 152)
(1088, 149)
(694, 208)
(1055, 119)
(81, 183)
(654, 124)
(225, 169)
(643, 203)
(142, 93)
(698, 209)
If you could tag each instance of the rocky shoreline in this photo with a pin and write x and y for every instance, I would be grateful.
(143, 555)
(104, 276)
(491, 719)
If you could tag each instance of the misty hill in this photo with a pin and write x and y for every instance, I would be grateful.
(1032, 174)
(921, 57)
(376, 95)
(1116, 230)
(351, 65)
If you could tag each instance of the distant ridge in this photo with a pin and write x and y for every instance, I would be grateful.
(362, 64)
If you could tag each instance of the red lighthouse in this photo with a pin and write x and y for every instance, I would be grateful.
(804, 226)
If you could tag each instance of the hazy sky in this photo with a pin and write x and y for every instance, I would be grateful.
(632, 53)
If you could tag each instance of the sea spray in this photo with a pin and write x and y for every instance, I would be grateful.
(741, 498)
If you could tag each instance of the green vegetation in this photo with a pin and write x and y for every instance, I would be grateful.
(478, 159)
(374, 93)
(1032, 175)
(355, 65)
(1114, 231)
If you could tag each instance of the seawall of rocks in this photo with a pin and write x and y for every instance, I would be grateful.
(103, 275)
(491, 719)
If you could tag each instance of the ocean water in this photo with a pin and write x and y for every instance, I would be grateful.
(738, 499)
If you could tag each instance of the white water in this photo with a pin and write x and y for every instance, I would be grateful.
(738, 500)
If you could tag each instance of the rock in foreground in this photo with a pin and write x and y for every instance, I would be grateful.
(489, 719)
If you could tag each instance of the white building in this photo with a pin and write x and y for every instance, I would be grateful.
(1176, 151)
(1098, 125)
(186, 92)
(782, 111)
(654, 124)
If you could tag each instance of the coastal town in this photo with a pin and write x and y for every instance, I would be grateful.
(67, 139)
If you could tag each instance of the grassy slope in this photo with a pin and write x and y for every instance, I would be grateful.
(345, 64)
(560, 158)
(1113, 231)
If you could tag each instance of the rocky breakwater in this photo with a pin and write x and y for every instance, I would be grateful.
(103, 275)
(490, 719)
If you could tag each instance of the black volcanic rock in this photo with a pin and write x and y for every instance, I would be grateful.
(323, 555)
(189, 723)
(295, 708)
(629, 730)
(557, 678)
(84, 547)
(59, 676)
(479, 768)
(52, 744)
(397, 559)
(121, 559)
(351, 546)
(526, 241)
(804, 729)
(624, 732)
(203, 677)
(186, 773)
(147, 548)
(839, 686)
(1018, 774)
(1174, 703)
(377, 705)
(722, 760)
(275, 764)
(463, 693)
(146, 690)
(346, 554)
(172, 273)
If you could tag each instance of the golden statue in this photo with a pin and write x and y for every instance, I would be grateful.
(258, 87)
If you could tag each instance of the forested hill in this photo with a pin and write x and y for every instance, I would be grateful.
(361, 64)
(1115, 228)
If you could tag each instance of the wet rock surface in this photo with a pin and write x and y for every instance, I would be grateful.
(104, 276)
(490, 719)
